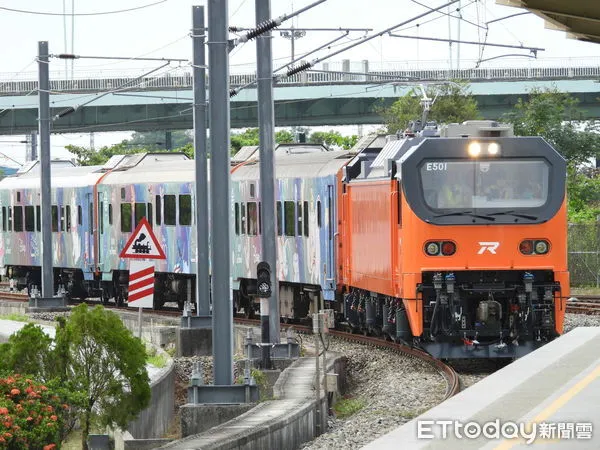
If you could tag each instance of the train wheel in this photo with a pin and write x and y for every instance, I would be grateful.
(105, 297)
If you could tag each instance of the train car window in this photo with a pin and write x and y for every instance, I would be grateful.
(259, 218)
(38, 218)
(18, 218)
(319, 223)
(122, 193)
(299, 219)
(62, 218)
(170, 210)
(68, 217)
(79, 215)
(140, 211)
(305, 219)
(4, 218)
(252, 219)
(279, 219)
(55, 218)
(9, 218)
(237, 218)
(110, 214)
(126, 217)
(252, 190)
(158, 210)
(149, 217)
(18, 196)
(290, 218)
(243, 218)
(185, 209)
(29, 218)
(101, 217)
(91, 218)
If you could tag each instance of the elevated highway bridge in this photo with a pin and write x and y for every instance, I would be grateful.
(307, 99)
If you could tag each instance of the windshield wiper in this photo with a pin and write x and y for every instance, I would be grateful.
(512, 213)
(465, 213)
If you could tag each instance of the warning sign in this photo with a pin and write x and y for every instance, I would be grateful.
(141, 284)
(143, 244)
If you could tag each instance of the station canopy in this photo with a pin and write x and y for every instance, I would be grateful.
(579, 18)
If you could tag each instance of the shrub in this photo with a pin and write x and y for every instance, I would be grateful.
(31, 415)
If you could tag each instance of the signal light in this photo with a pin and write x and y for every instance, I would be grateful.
(541, 247)
(526, 247)
(263, 280)
(432, 248)
(531, 247)
(474, 149)
(445, 248)
(493, 148)
(448, 248)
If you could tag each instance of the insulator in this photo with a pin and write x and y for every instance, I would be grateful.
(261, 28)
(233, 92)
(300, 68)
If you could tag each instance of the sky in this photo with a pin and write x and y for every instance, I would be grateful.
(160, 29)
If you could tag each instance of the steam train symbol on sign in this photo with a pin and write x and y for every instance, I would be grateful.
(138, 245)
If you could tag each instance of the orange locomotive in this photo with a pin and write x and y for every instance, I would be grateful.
(456, 245)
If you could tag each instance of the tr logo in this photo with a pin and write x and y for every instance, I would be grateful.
(488, 246)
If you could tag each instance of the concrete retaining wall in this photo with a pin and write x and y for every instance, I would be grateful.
(154, 421)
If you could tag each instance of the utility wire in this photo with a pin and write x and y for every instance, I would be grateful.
(451, 15)
(102, 13)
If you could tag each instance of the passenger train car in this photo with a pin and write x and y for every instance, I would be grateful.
(455, 244)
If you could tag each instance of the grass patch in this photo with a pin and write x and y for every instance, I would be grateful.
(155, 358)
(347, 406)
(158, 360)
(585, 291)
(15, 317)
(261, 381)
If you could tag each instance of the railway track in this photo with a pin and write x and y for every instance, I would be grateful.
(450, 375)
(584, 304)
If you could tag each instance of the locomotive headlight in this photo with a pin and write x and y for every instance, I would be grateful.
(541, 247)
(493, 148)
(474, 149)
(432, 248)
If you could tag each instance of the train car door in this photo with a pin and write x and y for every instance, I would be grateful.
(100, 227)
(89, 243)
(328, 293)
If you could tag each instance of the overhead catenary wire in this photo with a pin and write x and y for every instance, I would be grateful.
(404, 36)
(308, 65)
(451, 15)
(72, 109)
(98, 13)
(273, 23)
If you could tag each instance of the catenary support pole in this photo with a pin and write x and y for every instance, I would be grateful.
(201, 161)
(218, 70)
(46, 196)
(266, 123)
(33, 156)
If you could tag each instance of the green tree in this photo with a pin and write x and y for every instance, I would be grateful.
(88, 157)
(28, 351)
(284, 137)
(156, 140)
(107, 365)
(557, 117)
(333, 139)
(451, 103)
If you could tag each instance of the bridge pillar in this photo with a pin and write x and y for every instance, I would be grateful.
(365, 69)
(346, 69)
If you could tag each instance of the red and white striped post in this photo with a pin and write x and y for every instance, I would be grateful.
(141, 288)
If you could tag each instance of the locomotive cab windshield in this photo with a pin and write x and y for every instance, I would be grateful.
(451, 184)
